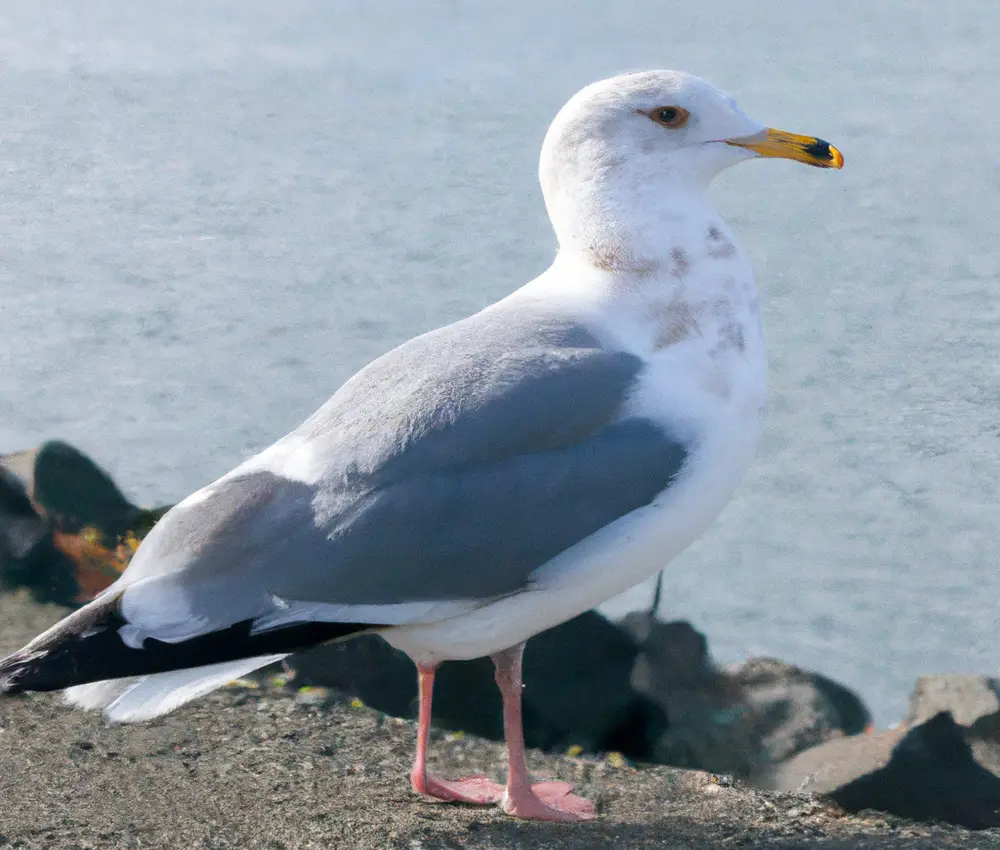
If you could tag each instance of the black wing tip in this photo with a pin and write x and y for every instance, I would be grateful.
(76, 653)
(48, 663)
(60, 656)
(18, 670)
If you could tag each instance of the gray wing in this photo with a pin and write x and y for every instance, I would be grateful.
(454, 467)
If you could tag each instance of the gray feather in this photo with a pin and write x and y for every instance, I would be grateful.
(454, 467)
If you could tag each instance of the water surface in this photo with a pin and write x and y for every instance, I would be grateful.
(214, 213)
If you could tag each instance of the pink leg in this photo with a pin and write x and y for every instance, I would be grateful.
(475, 789)
(545, 800)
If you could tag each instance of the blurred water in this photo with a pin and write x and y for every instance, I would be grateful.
(214, 213)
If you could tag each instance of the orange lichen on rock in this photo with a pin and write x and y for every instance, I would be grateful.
(96, 565)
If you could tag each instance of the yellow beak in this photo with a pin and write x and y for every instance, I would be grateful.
(807, 149)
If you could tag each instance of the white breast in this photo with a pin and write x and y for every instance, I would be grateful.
(704, 380)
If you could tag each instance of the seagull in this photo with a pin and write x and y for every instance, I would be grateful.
(487, 480)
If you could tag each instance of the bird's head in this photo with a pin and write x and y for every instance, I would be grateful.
(638, 140)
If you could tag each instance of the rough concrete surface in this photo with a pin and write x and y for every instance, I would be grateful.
(267, 768)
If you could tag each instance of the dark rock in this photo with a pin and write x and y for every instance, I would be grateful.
(739, 720)
(672, 654)
(794, 709)
(47, 572)
(967, 698)
(929, 773)
(366, 667)
(28, 556)
(582, 669)
(704, 727)
(21, 528)
(827, 767)
(61, 522)
(931, 776)
(76, 493)
(983, 738)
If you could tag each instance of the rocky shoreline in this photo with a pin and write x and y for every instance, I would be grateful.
(759, 754)
(261, 765)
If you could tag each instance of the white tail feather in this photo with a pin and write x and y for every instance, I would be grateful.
(145, 697)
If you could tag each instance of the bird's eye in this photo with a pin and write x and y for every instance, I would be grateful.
(670, 116)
